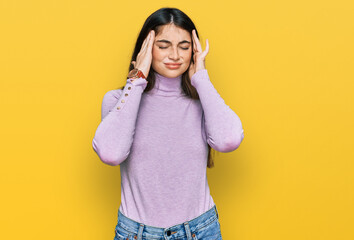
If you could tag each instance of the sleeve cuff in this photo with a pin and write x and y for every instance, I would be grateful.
(200, 75)
(138, 82)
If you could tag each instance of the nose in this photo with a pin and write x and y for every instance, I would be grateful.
(174, 54)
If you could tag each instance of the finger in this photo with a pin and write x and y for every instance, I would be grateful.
(146, 42)
(190, 67)
(194, 45)
(133, 62)
(147, 39)
(191, 64)
(199, 47)
(206, 48)
(151, 41)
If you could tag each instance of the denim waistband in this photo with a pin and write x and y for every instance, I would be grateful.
(181, 230)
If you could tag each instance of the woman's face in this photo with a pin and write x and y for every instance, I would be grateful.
(172, 45)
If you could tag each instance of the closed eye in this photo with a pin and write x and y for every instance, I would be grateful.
(181, 47)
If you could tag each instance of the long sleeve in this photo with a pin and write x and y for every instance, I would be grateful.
(114, 135)
(222, 127)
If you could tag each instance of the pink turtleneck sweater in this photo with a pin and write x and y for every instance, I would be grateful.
(160, 140)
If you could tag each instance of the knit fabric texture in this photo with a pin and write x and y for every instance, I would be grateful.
(160, 140)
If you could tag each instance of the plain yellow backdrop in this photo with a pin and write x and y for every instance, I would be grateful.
(285, 67)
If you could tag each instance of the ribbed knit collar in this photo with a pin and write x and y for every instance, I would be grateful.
(166, 86)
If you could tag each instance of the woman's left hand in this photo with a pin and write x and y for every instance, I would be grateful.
(199, 55)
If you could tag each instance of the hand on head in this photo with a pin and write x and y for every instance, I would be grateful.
(199, 55)
(144, 57)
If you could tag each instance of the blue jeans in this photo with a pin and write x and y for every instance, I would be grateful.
(204, 227)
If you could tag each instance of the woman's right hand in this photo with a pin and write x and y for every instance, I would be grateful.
(144, 57)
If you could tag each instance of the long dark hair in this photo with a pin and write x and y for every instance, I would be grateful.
(155, 21)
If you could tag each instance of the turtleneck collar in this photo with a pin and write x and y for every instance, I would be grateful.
(166, 86)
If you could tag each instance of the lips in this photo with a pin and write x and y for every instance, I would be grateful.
(173, 65)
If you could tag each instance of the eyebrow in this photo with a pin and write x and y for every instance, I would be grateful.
(166, 41)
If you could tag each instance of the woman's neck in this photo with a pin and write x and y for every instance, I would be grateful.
(167, 86)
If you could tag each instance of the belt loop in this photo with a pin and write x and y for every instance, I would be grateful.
(188, 231)
(140, 231)
(216, 211)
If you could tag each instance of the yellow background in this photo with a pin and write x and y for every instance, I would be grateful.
(285, 67)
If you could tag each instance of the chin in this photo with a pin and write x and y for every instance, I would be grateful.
(173, 74)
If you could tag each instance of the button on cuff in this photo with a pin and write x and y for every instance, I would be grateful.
(137, 81)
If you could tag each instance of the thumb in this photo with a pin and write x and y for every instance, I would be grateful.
(133, 62)
(191, 66)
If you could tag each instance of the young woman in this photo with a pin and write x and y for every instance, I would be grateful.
(160, 128)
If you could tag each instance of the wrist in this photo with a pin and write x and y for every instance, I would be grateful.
(199, 76)
(136, 73)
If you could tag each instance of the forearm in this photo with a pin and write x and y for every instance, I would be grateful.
(222, 126)
(114, 135)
